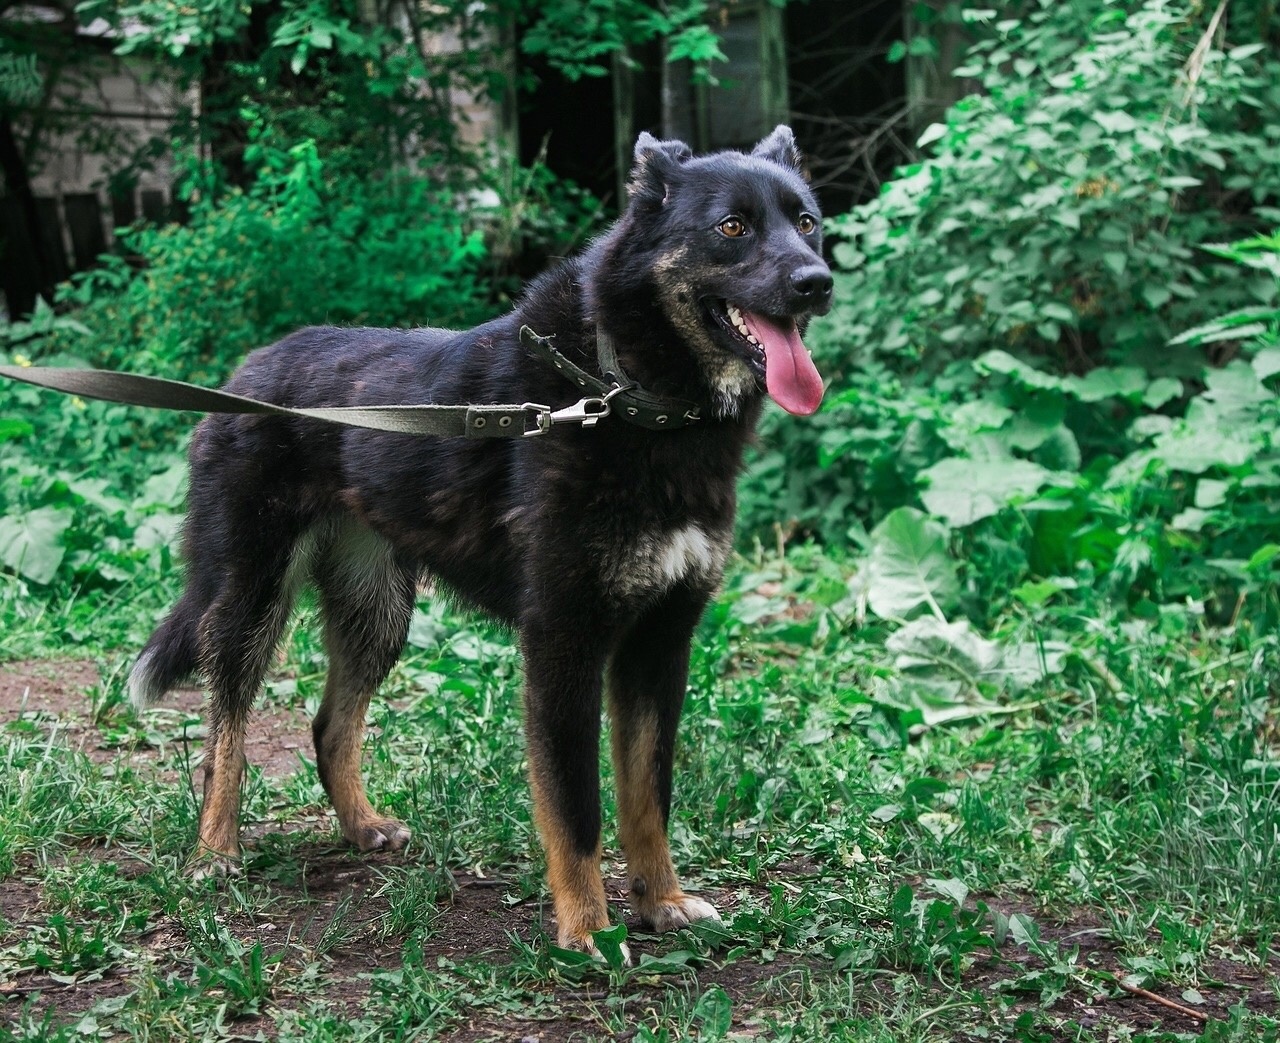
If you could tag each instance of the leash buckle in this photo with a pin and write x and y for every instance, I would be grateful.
(586, 412)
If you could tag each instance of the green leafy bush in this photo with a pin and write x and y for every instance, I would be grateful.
(296, 249)
(1008, 347)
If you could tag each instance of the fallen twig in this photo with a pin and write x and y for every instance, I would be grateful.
(1171, 1004)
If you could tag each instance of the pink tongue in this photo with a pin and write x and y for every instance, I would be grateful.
(790, 375)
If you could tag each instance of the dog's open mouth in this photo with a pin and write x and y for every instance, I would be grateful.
(771, 346)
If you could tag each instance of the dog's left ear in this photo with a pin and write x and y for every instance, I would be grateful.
(656, 163)
(780, 147)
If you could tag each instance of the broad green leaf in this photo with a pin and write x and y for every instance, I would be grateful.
(1116, 261)
(1108, 382)
(1023, 929)
(1191, 519)
(1004, 363)
(668, 963)
(1211, 493)
(1262, 558)
(1060, 451)
(981, 414)
(11, 427)
(956, 890)
(909, 568)
(161, 529)
(31, 543)
(1266, 363)
(1160, 391)
(1030, 662)
(930, 702)
(949, 648)
(964, 491)
(931, 134)
(1034, 594)
(1196, 448)
(1117, 122)
(1059, 311)
(1235, 384)
(714, 1010)
(610, 941)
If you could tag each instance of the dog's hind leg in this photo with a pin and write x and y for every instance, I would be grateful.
(648, 674)
(366, 597)
(238, 634)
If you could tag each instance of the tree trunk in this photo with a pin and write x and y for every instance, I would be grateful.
(26, 268)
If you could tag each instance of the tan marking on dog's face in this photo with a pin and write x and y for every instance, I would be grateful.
(728, 376)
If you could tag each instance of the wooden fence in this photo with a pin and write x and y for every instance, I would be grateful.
(74, 230)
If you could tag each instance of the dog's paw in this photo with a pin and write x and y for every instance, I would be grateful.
(379, 834)
(587, 944)
(207, 864)
(668, 914)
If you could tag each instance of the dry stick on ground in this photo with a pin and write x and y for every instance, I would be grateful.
(1135, 990)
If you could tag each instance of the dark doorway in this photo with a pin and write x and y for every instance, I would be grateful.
(845, 101)
(848, 103)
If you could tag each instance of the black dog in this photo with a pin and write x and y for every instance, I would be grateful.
(599, 544)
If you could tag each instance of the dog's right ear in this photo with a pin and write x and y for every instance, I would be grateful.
(656, 163)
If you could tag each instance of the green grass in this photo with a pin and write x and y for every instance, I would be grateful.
(993, 877)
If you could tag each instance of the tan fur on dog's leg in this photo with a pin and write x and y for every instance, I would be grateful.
(577, 888)
(338, 731)
(218, 850)
(655, 891)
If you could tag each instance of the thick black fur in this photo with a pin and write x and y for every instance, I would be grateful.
(599, 547)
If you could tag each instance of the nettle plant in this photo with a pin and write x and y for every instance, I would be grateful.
(1027, 343)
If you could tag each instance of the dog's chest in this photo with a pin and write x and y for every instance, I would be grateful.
(653, 560)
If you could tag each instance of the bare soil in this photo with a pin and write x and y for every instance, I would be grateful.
(479, 919)
(60, 694)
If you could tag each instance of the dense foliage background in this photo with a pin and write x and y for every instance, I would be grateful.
(1055, 341)
(1052, 363)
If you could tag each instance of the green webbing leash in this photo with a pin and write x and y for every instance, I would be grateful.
(466, 421)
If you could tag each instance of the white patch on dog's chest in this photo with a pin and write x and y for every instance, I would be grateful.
(655, 562)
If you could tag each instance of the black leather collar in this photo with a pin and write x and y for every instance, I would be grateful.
(625, 397)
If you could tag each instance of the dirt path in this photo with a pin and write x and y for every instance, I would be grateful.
(61, 694)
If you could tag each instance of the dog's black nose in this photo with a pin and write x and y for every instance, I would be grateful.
(812, 282)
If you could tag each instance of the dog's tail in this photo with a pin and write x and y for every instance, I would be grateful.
(171, 656)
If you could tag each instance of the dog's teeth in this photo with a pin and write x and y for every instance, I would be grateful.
(739, 323)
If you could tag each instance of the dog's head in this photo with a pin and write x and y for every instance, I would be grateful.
(737, 241)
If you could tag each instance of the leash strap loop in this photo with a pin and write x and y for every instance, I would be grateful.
(528, 419)
(466, 421)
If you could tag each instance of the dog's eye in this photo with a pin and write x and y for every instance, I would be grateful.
(733, 227)
(807, 224)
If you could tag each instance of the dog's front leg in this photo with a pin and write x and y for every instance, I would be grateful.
(648, 674)
(562, 730)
